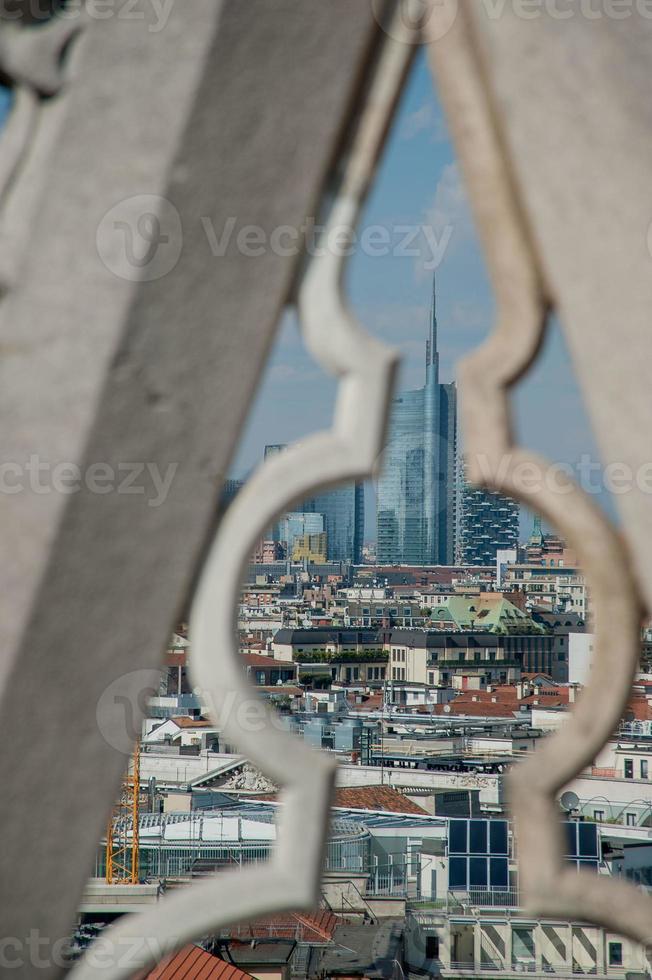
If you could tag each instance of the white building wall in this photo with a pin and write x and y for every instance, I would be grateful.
(580, 657)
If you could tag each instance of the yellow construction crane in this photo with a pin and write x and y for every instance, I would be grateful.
(122, 836)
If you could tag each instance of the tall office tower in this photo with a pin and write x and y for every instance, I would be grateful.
(489, 523)
(298, 524)
(416, 515)
(230, 489)
(342, 510)
(273, 450)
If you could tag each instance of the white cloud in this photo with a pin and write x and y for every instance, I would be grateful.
(450, 206)
(448, 219)
(424, 119)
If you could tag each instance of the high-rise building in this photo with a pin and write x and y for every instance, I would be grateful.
(230, 489)
(296, 524)
(342, 510)
(489, 523)
(343, 513)
(417, 487)
(310, 548)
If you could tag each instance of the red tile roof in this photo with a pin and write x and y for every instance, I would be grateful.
(290, 690)
(183, 721)
(193, 963)
(639, 708)
(371, 703)
(259, 660)
(375, 798)
(317, 927)
(363, 798)
(501, 702)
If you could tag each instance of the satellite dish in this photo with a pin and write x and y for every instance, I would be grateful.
(569, 801)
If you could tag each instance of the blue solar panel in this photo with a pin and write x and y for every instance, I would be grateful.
(499, 872)
(478, 836)
(478, 852)
(458, 837)
(570, 831)
(498, 837)
(457, 874)
(582, 844)
(588, 840)
(478, 872)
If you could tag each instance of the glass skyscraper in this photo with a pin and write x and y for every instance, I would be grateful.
(296, 524)
(342, 510)
(416, 490)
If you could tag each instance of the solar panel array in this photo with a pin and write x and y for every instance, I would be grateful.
(478, 854)
(582, 844)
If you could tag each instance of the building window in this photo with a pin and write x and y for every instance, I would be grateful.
(598, 815)
(629, 768)
(644, 768)
(615, 954)
(631, 819)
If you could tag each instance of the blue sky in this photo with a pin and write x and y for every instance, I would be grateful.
(418, 183)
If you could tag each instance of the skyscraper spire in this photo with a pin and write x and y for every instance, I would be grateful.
(432, 355)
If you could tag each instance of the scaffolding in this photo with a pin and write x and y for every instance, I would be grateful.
(122, 838)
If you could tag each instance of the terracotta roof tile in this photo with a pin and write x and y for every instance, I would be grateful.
(193, 963)
(183, 721)
(364, 798)
(375, 798)
(289, 689)
(259, 660)
(316, 927)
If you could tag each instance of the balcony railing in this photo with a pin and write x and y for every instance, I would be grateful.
(468, 902)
